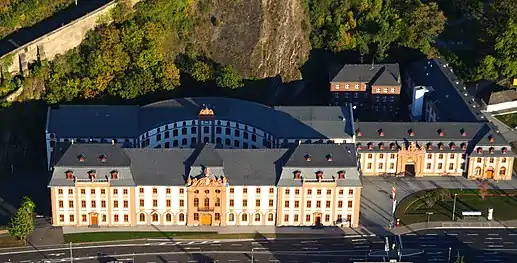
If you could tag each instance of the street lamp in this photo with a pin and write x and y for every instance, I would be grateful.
(454, 207)
(429, 216)
(252, 258)
(71, 256)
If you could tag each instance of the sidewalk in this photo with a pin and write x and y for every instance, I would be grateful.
(450, 224)
(327, 231)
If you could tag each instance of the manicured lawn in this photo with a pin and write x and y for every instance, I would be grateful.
(508, 119)
(413, 208)
(112, 236)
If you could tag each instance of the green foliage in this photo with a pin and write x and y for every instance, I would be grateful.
(122, 11)
(229, 78)
(22, 223)
(202, 72)
(16, 14)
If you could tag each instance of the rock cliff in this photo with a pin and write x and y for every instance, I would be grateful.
(259, 38)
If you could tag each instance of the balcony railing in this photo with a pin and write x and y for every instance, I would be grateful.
(205, 209)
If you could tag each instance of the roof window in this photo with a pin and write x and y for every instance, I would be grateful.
(307, 157)
(463, 132)
(441, 132)
(341, 174)
(81, 158)
(297, 174)
(381, 132)
(114, 175)
(491, 138)
(69, 174)
(359, 133)
(411, 132)
(329, 157)
(103, 158)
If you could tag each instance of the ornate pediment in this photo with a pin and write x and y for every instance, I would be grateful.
(412, 148)
(206, 112)
(207, 182)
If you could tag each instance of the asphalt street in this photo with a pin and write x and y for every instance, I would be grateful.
(476, 245)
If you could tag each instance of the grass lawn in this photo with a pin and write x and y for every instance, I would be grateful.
(112, 236)
(508, 119)
(413, 209)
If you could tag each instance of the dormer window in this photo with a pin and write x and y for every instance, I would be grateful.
(114, 175)
(319, 175)
(359, 146)
(441, 132)
(463, 132)
(463, 146)
(91, 174)
(341, 174)
(479, 150)
(297, 174)
(359, 133)
(429, 146)
(81, 158)
(307, 157)
(370, 146)
(504, 150)
(392, 146)
(329, 157)
(381, 146)
(491, 150)
(103, 158)
(381, 132)
(411, 132)
(441, 146)
(452, 146)
(69, 174)
(491, 138)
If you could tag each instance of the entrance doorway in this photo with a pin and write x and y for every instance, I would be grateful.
(317, 219)
(94, 219)
(489, 173)
(206, 219)
(409, 170)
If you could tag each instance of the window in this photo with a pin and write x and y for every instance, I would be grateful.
(92, 191)
(392, 156)
(350, 203)
(141, 202)
(491, 160)
(94, 204)
(126, 204)
(182, 203)
(168, 203)
(244, 217)
(295, 218)
(83, 204)
(349, 218)
(115, 204)
(141, 190)
(440, 156)
(83, 191)
(217, 202)
(196, 202)
(231, 217)
(270, 203)
(103, 204)
(440, 166)
(168, 218)
(115, 191)
(232, 190)
(381, 165)
(392, 166)
(126, 218)
(155, 203)
(206, 202)
(217, 217)
(309, 204)
(340, 204)
(257, 217)
(309, 191)
(232, 203)
(296, 204)
(318, 204)
(370, 156)
(115, 218)
(83, 218)
(286, 204)
(381, 156)
(257, 190)
(71, 218)
(327, 204)
(503, 160)
(60, 191)
(329, 192)
(451, 166)
(347, 86)
(103, 191)
(61, 204)
(318, 192)
(286, 191)
(270, 217)
(70, 204)
(327, 218)
(245, 190)
(307, 218)
(478, 160)
(196, 216)
(168, 191)
(286, 218)
(271, 190)
(70, 191)
(257, 203)
(428, 166)
(182, 191)
(155, 191)
(356, 86)
(350, 191)
(142, 218)
(429, 156)
(451, 156)
(369, 166)
(181, 217)
(297, 191)
(244, 203)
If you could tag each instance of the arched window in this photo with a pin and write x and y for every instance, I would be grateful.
(478, 171)
(155, 217)
(217, 202)
(196, 202)
(231, 217)
(207, 202)
(270, 217)
(142, 218)
(181, 217)
(244, 217)
(502, 171)
(257, 217)
(168, 217)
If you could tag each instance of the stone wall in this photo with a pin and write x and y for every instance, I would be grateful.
(58, 41)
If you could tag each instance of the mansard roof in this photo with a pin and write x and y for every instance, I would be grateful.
(377, 74)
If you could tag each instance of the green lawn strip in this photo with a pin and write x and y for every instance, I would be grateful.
(414, 210)
(118, 236)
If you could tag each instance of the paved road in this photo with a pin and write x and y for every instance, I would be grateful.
(477, 245)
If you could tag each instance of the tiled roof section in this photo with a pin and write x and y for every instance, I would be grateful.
(94, 155)
(159, 166)
(448, 94)
(131, 121)
(502, 96)
(491, 137)
(252, 166)
(94, 121)
(428, 131)
(206, 155)
(323, 155)
(380, 74)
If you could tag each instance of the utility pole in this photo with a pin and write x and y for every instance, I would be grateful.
(449, 260)
(71, 256)
(454, 207)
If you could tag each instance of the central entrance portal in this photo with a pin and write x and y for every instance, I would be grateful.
(94, 219)
(206, 219)
(409, 170)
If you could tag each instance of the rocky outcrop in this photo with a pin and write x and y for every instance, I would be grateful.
(259, 38)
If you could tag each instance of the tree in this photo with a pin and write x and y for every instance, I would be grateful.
(483, 189)
(229, 78)
(430, 199)
(22, 224)
(202, 72)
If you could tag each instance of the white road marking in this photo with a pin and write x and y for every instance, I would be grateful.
(235, 245)
(164, 243)
(216, 241)
(452, 234)
(493, 238)
(492, 260)
(433, 253)
(495, 245)
(428, 245)
(192, 248)
(508, 242)
(512, 234)
(310, 241)
(359, 240)
(191, 242)
(488, 242)
(274, 260)
(436, 259)
(233, 260)
(411, 234)
(493, 234)
(204, 242)
(25, 261)
(431, 234)
(177, 243)
(310, 248)
(360, 246)
(192, 261)
(472, 234)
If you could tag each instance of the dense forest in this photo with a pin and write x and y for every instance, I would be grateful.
(153, 46)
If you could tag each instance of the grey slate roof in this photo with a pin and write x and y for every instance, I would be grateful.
(448, 93)
(380, 74)
(131, 121)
